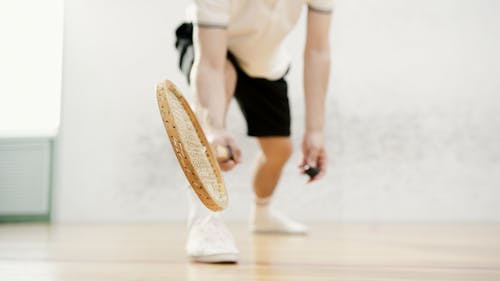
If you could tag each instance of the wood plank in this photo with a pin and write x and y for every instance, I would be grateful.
(332, 252)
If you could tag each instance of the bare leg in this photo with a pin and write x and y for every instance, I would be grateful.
(275, 152)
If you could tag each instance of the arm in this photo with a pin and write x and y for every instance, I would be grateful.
(208, 81)
(208, 76)
(316, 76)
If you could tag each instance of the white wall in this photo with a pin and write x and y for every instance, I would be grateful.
(412, 125)
(30, 67)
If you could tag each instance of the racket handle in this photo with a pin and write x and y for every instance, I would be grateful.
(223, 153)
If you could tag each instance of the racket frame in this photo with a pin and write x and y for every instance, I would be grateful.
(180, 151)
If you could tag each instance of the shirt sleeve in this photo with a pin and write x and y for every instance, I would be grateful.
(321, 5)
(212, 12)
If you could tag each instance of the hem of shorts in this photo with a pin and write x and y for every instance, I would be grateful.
(320, 10)
(263, 135)
(210, 25)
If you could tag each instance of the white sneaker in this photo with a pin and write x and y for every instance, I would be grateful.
(264, 220)
(210, 241)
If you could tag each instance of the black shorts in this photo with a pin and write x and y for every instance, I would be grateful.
(263, 102)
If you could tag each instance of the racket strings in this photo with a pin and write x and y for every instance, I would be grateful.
(195, 149)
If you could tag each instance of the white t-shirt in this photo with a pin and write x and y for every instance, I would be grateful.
(256, 29)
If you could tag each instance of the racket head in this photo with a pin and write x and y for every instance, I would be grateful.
(191, 147)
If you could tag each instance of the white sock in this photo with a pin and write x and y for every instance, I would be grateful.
(263, 201)
(265, 220)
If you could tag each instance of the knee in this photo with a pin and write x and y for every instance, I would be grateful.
(279, 154)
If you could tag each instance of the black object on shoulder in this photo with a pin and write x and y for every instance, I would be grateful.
(184, 45)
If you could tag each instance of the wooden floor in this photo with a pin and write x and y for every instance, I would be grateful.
(331, 252)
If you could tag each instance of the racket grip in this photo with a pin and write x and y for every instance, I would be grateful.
(223, 153)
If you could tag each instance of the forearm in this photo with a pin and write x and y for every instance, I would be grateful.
(208, 77)
(316, 76)
(208, 83)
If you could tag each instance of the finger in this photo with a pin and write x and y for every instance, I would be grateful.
(302, 170)
(222, 153)
(235, 150)
(302, 165)
(319, 176)
(303, 161)
(227, 165)
(312, 157)
(322, 164)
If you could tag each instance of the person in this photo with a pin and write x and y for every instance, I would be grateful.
(235, 48)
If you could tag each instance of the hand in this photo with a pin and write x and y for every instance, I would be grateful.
(314, 154)
(225, 139)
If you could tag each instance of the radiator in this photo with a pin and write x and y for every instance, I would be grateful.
(25, 178)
